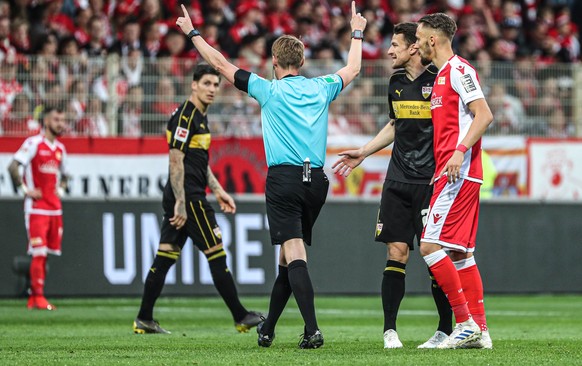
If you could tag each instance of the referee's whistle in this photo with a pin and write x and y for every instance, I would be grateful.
(306, 171)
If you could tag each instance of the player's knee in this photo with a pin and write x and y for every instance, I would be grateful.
(167, 247)
(398, 252)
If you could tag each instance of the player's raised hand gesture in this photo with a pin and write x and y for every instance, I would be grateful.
(358, 22)
(185, 23)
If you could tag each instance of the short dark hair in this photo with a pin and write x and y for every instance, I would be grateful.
(48, 109)
(441, 22)
(408, 30)
(203, 69)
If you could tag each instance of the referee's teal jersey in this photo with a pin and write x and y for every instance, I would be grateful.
(294, 112)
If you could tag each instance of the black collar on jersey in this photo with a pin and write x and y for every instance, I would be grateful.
(288, 76)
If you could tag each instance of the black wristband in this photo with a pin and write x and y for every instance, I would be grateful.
(357, 34)
(193, 33)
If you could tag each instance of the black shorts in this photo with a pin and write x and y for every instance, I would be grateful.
(293, 206)
(403, 211)
(200, 226)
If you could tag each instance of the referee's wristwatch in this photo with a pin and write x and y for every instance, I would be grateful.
(193, 33)
(358, 34)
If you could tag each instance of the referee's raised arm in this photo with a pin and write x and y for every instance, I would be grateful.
(209, 54)
(349, 72)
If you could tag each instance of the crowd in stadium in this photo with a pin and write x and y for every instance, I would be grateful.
(54, 51)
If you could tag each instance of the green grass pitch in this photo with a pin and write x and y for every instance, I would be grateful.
(526, 330)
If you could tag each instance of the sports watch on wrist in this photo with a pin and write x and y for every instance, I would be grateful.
(357, 34)
(193, 33)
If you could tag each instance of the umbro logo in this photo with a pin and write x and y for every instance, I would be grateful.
(436, 217)
(398, 91)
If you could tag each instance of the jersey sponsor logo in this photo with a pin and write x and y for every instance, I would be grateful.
(442, 80)
(201, 141)
(50, 167)
(44, 153)
(436, 102)
(426, 91)
(181, 134)
(436, 217)
(461, 69)
(412, 109)
(468, 83)
(398, 91)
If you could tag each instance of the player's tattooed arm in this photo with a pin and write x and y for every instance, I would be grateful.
(177, 182)
(14, 174)
(225, 201)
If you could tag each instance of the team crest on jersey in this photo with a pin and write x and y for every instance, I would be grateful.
(217, 232)
(442, 80)
(58, 155)
(181, 134)
(426, 91)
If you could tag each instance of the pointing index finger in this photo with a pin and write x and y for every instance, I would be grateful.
(185, 11)
(353, 8)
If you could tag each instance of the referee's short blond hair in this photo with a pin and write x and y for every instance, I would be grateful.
(289, 51)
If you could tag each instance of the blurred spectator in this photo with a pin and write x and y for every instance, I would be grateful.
(131, 112)
(243, 117)
(82, 18)
(132, 67)
(508, 111)
(95, 45)
(9, 86)
(19, 36)
(19, 121)
(6, 48)
(78, 98)
(338, 124)
(93, 122)
(130, 38)
(250, 21)
(558, 125)
(251, 55)
(326, 60)
(151, 40)
(278, 20)
(73, 64)
(56, 21)
(564, 34)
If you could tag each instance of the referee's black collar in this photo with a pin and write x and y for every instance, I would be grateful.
(288, 76)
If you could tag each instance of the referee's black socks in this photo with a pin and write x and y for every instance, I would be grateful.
(393, 287)
(154, 282)
(279, 297)
(303, 291)
(225, 285)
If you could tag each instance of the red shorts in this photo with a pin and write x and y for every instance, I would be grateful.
(454, 214)
(45, 234)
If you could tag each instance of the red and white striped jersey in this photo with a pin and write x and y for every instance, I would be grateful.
(455, 86)
(43, 163)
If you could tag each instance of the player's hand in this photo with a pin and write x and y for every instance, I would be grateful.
(225, 202)
(348, 161)
(357, 21)
(179, 219)
(35, 193)
(453, 167)
(185, 23)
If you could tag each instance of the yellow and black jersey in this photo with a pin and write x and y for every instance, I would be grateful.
(187, 131)
(409, 102)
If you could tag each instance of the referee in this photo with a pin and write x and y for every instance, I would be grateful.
(294, 113)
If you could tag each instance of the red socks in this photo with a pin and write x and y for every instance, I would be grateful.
(37, 275)
(473, 288)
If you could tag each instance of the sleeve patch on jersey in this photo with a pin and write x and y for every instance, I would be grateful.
(330, 79)
(181, 134)
(468, 83)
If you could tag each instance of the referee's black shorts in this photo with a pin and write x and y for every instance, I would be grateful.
(403, 211)
(200, 226)
(293, 206)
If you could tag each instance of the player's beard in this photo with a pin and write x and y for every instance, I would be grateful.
(55, 132)
(425, 61)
